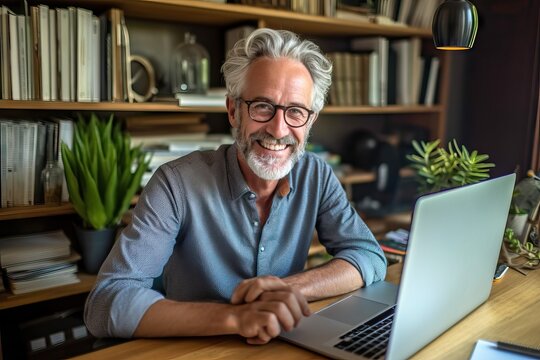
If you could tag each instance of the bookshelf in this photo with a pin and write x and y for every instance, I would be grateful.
(187, 13)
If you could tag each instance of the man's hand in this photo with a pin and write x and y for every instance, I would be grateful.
(269, 304)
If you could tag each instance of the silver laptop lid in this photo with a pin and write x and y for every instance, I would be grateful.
(454, 244)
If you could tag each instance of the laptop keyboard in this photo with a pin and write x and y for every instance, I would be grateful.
(371, 338)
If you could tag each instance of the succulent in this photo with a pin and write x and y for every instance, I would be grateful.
(103, 172)
(438, 168)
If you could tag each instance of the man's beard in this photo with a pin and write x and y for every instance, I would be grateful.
(269, 167)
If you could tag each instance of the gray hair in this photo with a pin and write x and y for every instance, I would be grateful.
(277, 44)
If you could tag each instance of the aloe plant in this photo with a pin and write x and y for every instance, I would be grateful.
(103, 172)
(438, 168)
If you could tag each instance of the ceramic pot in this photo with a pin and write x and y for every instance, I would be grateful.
(95, 246)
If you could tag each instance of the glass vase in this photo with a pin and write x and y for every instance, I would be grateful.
(190, 68)
(52, 177)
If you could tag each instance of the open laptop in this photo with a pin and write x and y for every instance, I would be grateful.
(454, 244)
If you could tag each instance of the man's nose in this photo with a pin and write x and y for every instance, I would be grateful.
(277, 127)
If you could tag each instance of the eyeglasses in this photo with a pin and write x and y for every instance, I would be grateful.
(263, 111)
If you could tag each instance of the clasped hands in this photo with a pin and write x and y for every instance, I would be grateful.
(266, 305)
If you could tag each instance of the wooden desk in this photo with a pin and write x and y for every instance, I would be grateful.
(510, 314)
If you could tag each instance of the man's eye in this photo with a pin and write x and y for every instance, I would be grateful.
(297, 112)
(263, 107)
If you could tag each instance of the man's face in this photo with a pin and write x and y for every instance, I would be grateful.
(271, 149)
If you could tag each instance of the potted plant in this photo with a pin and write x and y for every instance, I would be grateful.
(103, 173)
(438, 168)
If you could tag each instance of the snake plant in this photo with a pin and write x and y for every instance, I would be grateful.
(439, 169)
(103, 172)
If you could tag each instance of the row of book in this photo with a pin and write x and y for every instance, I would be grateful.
(383, 72)
(170, 136)
(25, 148)
(37, 261)
(66, 54)
(418, 13)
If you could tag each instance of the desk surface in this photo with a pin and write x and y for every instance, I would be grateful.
(510, 314)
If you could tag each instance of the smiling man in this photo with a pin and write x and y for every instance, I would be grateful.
(229, 230)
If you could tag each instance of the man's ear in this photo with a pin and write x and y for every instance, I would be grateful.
(231, 111)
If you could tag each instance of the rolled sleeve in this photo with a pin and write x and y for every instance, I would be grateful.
(346, 236)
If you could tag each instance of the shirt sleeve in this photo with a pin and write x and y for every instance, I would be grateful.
(123, 291)
(345, 235)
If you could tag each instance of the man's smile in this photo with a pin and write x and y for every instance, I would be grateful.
(271, 145)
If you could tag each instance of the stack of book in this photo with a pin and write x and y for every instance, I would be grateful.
(394, 244)
(170, 136)
(38, 261)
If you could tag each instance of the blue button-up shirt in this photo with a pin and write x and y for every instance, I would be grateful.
(197, 223)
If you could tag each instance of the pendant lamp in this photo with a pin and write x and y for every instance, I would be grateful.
(454, 25)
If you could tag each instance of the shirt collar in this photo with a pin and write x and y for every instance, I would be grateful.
(237, 184)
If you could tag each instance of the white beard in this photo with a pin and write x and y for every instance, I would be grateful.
(267, 167)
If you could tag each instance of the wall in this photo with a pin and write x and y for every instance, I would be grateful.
(499, 91)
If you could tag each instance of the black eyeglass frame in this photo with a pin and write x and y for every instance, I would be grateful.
(276, 107)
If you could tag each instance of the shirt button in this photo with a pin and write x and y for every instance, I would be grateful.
(252, 196)
(255, 223)
(261, 249)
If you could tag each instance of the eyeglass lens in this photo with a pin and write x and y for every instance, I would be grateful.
(263, 111)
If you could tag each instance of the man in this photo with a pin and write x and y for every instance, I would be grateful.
(230, 229)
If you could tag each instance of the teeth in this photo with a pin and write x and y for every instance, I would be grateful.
(272, 146)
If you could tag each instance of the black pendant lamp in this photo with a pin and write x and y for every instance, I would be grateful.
(454, 25)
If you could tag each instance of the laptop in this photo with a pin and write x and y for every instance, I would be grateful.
(453, 248)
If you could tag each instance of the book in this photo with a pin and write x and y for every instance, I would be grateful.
(5, 59)
(146, 122)
(41, 151)
(44, 52)
(42, 264)
(64, 53)
(37, 246)
(23, 58)
(195, 100)
(53, 53)
(95, 67)
(432, 80)
(170, 130)
(379, 47)
(66, 130)
(84, 56)
(14, 57)
(64, 276)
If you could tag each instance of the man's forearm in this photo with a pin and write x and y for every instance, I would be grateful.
(333, 278)
(167, 318)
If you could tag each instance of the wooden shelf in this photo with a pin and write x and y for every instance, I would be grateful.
(25, 212)
(8, 300)
(215, 14)
(173, 107)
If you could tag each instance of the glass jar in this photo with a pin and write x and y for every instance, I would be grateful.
(52, 177)
(190, 68)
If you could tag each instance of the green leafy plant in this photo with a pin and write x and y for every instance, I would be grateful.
(103, 172)
(530, 252)
(438, 168)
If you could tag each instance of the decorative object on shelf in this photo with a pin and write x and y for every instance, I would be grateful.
(190, 67)
(143, 79)
(439, 169)
(454, 25)
(52, 177)
(103, 173)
